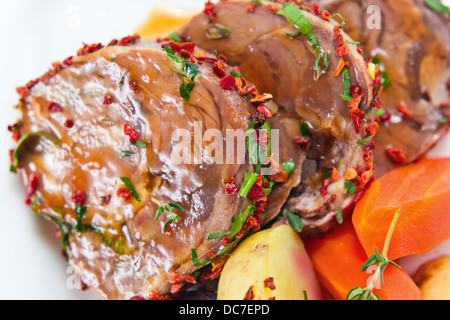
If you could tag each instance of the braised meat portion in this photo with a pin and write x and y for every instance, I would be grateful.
(411, 43)
(125, 149)
(320, 80)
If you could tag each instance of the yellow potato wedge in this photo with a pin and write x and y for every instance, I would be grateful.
(271, 264)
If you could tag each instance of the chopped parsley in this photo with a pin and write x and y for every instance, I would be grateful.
(437, 5)
(126, 181)
(294, 220)
(168, 208)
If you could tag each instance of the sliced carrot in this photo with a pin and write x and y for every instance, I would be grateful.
(422, 192)
(338, 259)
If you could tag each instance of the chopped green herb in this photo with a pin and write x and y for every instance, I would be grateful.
(186, 90)
(294, 220)
(437, 5)
(80, 212)
(235, 74)
(249, 181)
(339, 217)
(347, 84)
(218, 31)
(130, 187)
(124, 154)
(24, 138)
(218, 235)
(257, 2)
(141, 144)
(288, 166)
(380, 112)
(342, 19)
(238, 222)
(304, 129)
(293, 14)
(365, 141)
(351, 189)
(173, 36)
(443, 121)
(195, 260)
(172, 217)
(317, 65)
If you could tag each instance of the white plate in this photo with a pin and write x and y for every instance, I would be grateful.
(34, 34)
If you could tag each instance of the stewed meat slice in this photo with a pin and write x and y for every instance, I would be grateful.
(411, 42)
(121, 148)
(319, 78)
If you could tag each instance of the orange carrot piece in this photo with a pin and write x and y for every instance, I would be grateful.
(338, 258)
(422, 191)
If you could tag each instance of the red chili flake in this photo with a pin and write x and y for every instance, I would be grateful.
(209, 274)
(267, 112)
(356, 123)
(249, 295)
(66, 62)
(218, 68)
(230, 187)
(78, 198)
(32, 184)
(386, 116)
(132, 39)
(334, 175)
(280, 176)
(124, 193)
(136, 298)
(251, 8)
(372, 129)
(268, 283)
(396, 155)
(228, 83)
(69, 123)
(187, 47)
(107, 100)
(133, 86)
(260, 208)
(175, 278)
(275, 7)
(403, 108)
(209, 11)
(154, 296)
(444, 105)
(302, 142)
(448, 84)
(368, 151)
(324, 188)
(341, 47)
(325, 15)
(256, 192)
(129, 131)
(55, 107)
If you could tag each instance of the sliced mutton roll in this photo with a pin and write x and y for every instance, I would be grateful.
(411, 43)
(320, 79)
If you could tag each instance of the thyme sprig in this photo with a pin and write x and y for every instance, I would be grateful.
(167, 208)
(382, 261)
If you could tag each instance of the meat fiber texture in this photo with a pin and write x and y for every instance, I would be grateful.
(412, 44)
(262, 45)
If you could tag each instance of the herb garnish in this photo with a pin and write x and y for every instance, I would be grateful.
(376, 259)
(347, 84)
(437, 5)
(188, 70)
(124, 154)
(172, 217)
(294, 220)
(24, 138)
(126, 181)
(351, 189)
